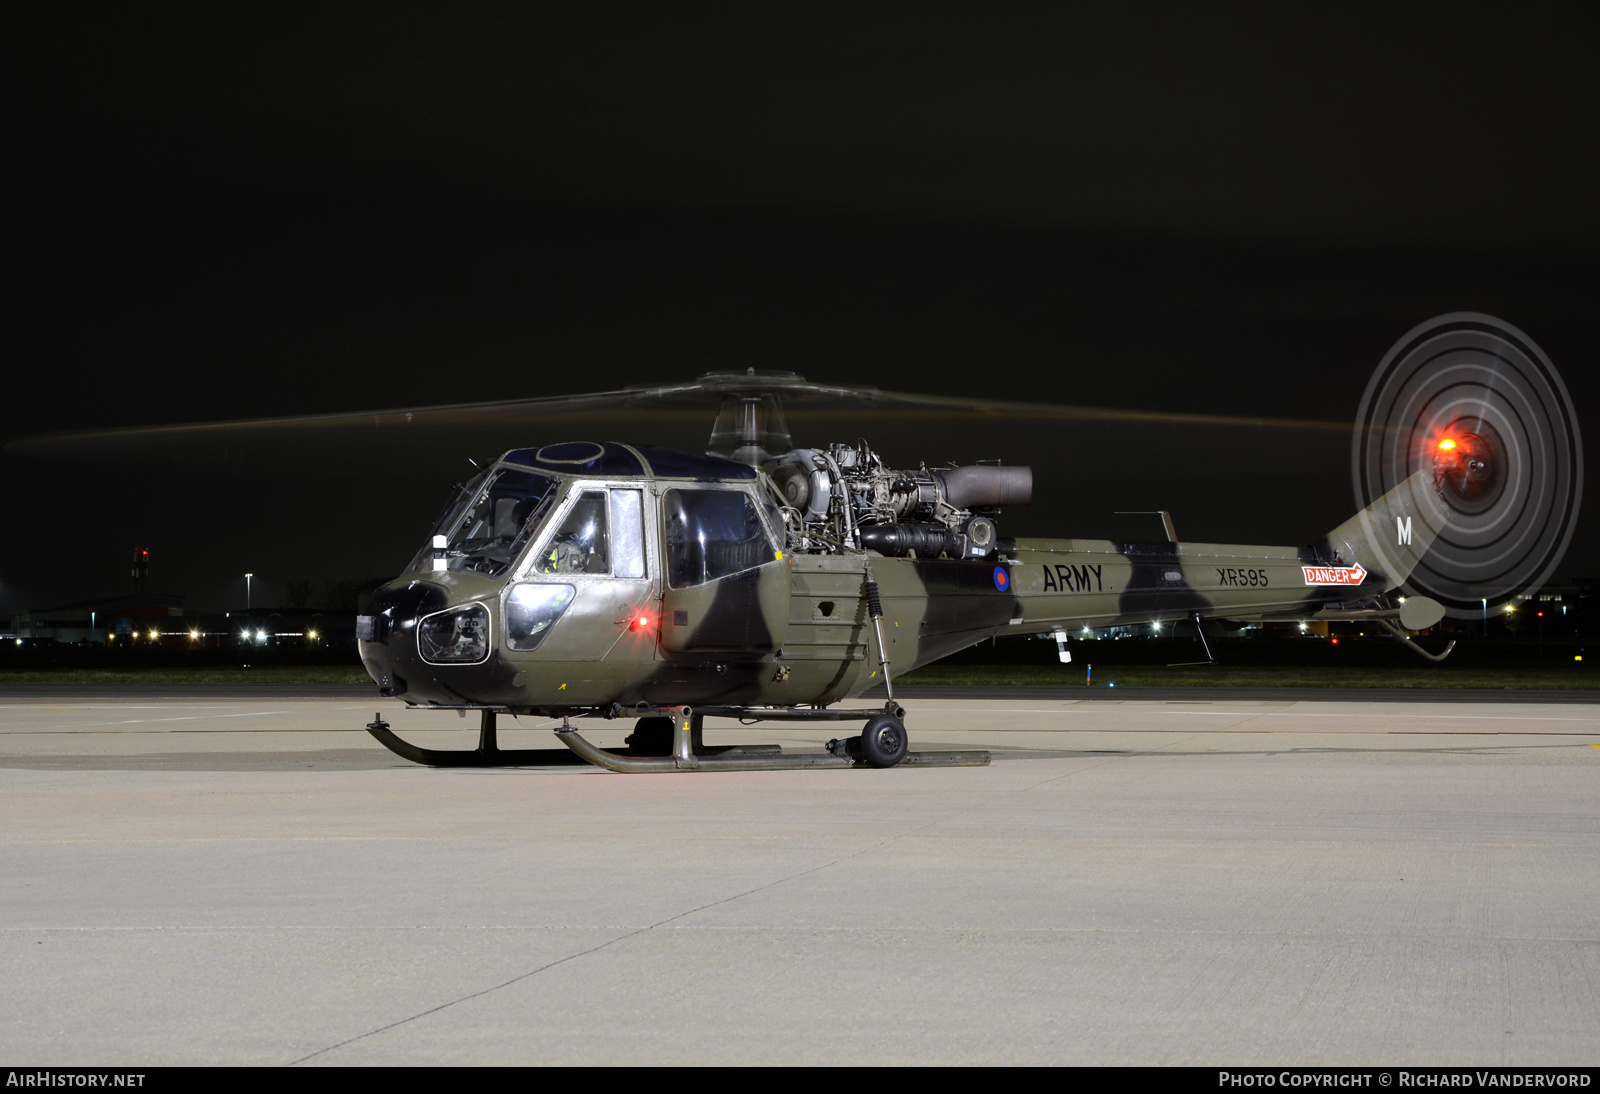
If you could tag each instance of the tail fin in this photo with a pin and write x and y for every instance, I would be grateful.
(1390, 536)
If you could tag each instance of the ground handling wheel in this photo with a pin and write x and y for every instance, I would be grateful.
(884, 741)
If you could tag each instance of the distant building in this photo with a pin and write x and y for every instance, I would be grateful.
(99, 620)
(295, 628)
(137, 622)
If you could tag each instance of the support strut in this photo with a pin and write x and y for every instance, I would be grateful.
(875, 610)
(1200, 629)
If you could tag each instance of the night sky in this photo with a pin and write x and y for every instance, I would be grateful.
(1180, 208)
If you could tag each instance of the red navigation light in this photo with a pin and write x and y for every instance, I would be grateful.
(1335, 641)
(641, 621)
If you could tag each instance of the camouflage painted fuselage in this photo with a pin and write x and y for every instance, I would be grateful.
(796, 630)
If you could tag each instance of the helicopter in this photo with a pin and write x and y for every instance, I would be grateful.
(763, 580)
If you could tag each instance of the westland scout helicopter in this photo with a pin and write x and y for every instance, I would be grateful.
(765, 581)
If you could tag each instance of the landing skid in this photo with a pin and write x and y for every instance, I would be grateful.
(487, 754)
(688, 752)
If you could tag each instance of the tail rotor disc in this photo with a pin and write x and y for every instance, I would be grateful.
(1474, 400)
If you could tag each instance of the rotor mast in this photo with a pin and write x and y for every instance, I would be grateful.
(750, 428)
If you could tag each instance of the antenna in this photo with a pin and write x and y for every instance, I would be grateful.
(1166, 520)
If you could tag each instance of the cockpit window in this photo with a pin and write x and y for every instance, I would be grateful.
(627, 529)
(501, 516)
(582, 545)
(711, 534)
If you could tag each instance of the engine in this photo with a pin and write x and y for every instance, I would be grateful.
(843, 496)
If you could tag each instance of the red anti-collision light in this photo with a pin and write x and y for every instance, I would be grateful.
(641, 621)
(1447, 444)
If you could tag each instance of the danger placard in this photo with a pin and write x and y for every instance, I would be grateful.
(1335, 575)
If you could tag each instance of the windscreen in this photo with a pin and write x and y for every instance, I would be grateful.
(459, 500)
(491, 522)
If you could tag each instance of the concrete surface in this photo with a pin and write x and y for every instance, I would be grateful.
(1198, 882)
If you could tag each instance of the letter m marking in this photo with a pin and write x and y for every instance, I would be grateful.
(1402, 527)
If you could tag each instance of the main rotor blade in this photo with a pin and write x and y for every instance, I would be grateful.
(896, 404)
(801, 399)
(598, 406)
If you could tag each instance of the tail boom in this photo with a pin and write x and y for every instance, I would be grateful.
(1074, 583)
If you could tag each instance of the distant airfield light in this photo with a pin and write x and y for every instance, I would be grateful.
(155, 634)
(261, 636)
(311, 634)
(194, 634)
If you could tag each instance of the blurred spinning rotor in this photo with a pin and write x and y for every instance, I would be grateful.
(1475, 400)
(752, 412)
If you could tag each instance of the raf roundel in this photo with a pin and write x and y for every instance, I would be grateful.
(1002, 580)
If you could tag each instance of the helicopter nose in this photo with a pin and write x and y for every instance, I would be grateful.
(386, 632)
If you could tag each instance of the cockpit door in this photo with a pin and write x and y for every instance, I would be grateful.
(727, 583)
(586, 585)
